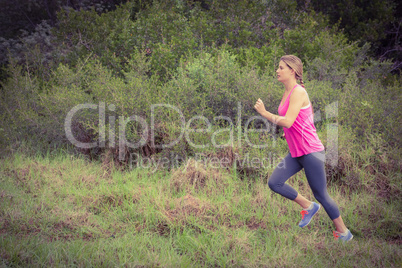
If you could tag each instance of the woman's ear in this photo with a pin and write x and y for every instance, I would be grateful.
(292, 71)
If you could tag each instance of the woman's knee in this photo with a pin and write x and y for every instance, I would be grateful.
(319, 198)
(324, 198)
(273, 184)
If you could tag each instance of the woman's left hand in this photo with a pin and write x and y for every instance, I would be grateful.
(259, 106)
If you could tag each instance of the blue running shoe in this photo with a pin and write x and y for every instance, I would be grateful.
(344, 238)
(307, 215)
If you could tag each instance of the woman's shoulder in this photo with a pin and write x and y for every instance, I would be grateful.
(299, 91)
(299, 94)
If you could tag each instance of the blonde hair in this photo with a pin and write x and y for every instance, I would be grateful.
(295, 64)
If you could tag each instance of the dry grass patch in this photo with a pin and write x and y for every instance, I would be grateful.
(385, 189)
(189, 204)
(29, 176)
(196, 176)
(60, 230)
(187, 207)
(63, 225)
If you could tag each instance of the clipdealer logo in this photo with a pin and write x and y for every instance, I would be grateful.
(148, 130)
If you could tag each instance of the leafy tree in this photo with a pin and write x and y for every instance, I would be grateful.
(377, 22)
(20, 15)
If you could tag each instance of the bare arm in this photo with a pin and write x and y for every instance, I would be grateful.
(296, 101)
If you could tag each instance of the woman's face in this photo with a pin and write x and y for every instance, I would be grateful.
(284, 73)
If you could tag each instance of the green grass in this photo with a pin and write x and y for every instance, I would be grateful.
(62, 210)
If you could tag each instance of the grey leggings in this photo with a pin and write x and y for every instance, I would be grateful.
(313, 165)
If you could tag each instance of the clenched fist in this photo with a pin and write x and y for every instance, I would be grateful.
(259, 106)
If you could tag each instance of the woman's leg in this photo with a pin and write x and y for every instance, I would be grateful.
(302, 201)
(340, 225)
(285, 169)
(314, 167)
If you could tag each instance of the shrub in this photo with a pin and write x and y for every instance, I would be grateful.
(374, 107)
(85, 32)
(206, 62)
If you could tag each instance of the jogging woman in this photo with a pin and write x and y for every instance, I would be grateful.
(295, 115)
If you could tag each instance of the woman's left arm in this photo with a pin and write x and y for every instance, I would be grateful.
(295, 103)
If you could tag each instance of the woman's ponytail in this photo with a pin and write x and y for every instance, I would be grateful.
(301, 82)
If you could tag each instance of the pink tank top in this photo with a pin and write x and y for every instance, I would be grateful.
(302, 135)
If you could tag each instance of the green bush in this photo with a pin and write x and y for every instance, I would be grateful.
(374, 108)
(204, 61)
(85, 32)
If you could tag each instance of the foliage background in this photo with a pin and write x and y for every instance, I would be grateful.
(205, 57)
